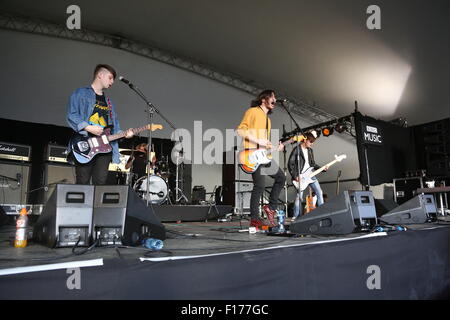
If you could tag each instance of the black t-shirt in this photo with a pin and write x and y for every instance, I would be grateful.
(100, 115)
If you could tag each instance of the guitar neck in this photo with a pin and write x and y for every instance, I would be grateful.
(323, 168)
(123, 133)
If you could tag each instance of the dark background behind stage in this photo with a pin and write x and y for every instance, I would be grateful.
(404, 149)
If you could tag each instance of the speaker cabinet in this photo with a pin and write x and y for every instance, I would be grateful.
(348, 212)
(122, 217)
(66, 219)
(417, 210)
(14, 179)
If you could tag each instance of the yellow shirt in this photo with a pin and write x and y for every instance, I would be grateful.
(256, 123)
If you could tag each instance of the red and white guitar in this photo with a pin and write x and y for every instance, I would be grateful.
(306, 177)
(251, 159)
(85, 149)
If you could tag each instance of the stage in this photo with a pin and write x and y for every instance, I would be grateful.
(221, 261)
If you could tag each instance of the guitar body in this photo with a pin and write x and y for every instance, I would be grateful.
(305, 179)
(251, 159)
(84, 149)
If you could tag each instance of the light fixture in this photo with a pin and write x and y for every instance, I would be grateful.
(327, 131)
(340, 127)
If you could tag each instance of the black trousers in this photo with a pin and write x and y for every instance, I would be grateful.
(97, 169)
(259, 185)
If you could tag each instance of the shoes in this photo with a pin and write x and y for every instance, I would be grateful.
(270, 215)
(258, 223)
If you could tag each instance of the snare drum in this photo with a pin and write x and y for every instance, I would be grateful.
(158, 189)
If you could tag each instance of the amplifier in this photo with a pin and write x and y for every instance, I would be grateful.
(14, 151)
(405, 188)
(56, 153)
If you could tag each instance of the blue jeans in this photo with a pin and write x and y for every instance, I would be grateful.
(319, 193)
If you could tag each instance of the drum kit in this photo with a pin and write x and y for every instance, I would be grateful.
(160, 173)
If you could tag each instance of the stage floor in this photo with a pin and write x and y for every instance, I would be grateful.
(213, 242)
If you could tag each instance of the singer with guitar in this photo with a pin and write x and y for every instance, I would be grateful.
(89, 113)
(255, 130)
(306, 162)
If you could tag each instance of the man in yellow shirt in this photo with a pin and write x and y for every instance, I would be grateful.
(255, 130)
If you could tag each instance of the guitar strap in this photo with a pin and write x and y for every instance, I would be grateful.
(110, 111)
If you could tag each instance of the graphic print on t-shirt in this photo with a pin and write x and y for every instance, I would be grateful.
(100, 114)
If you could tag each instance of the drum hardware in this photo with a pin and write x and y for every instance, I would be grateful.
(178, 181)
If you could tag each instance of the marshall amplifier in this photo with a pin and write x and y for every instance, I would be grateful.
(14, 151)
(56, 153)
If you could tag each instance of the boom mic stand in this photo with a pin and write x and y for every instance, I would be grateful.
(299, 130)
(151, 110)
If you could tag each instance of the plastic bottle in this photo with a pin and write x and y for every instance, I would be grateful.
(21, 229)
(280, 216)
(154, 244)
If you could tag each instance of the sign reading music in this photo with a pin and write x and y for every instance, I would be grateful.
(371, 134)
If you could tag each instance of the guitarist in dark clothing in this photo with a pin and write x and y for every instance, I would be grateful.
(89, 112)
(306, 162)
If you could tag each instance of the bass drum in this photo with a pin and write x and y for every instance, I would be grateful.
(158, 189)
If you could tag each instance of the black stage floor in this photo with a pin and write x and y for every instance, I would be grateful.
(220, 260)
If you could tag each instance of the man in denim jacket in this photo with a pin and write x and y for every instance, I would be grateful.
(89, 111)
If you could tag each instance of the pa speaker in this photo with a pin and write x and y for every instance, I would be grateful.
(348, 212)
(66, 218)
(122, 217)
(417, 210)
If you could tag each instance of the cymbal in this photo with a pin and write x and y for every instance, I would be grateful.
(129, 152)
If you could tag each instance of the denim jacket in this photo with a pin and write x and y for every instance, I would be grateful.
(80, 108)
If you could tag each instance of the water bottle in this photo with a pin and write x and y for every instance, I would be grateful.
(21, 229)
(280, 216)
(154, 244)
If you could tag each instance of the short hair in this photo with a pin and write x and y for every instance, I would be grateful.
(263, 95)
(107, 67)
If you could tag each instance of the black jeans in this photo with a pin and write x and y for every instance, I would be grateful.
(97, 168)
(259, 186)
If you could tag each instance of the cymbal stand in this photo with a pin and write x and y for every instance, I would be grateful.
(177, 180)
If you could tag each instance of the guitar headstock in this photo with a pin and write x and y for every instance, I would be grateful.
(154, 127)
(298, 138)
(340, 157)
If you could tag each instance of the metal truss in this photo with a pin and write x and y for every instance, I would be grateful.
(13, 22)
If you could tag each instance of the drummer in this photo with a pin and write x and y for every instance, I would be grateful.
(138, 160)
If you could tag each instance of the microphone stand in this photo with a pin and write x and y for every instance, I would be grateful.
(299, 130)
(151, 110)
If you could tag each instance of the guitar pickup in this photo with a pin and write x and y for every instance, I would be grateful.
(83, 146)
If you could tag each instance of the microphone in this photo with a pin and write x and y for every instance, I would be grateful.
(125, 80)
(19, 179)
(281, 100)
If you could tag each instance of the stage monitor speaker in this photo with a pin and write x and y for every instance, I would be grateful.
(122, 217)
(348, 212)
(417, 210)
(14, 178)
(54, 174)
(67, 217)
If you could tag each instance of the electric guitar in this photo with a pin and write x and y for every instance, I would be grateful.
(251, 159)
(306, 177)
(84, 149)
(309, 202)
